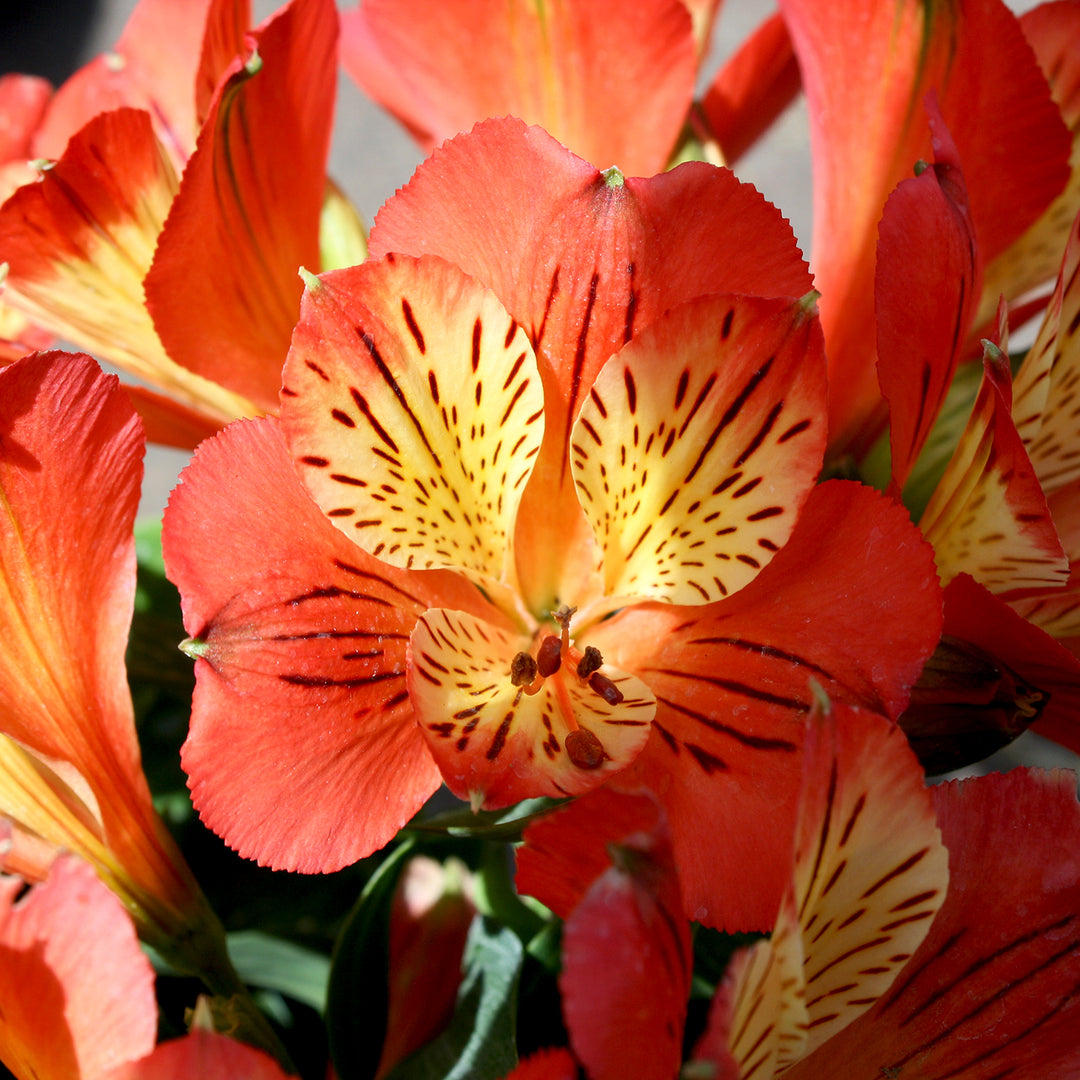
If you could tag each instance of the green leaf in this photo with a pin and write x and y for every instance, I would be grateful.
(356, 1007)
(479, 1043)
(275, 964)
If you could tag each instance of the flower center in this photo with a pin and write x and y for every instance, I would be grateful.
(555, 658)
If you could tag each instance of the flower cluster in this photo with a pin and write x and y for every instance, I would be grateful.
(580, 583)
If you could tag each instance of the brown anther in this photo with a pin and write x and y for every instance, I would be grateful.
(584, 749)
(590, 662)
(549, 656)
(605, 688)
(522, 669)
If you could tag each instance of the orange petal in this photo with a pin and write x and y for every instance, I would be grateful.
(988, 515)
(303, 751)
(993, 989)
(733, 684)
(223, 288)
(583, 261)
(76, 991)
(752, 89)
(497, 745)
(79, 242)
(414, 410)
(670, 468)
(577, 70)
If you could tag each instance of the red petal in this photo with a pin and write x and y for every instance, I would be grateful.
(926, 291)
(566, 851)
(752, 89)
(223, 288)
(582, 262)
(203, 1054)
(993, 990)
(549, 1064)
(866, 68)
(303, 750)
(732, 682)
(76, 991)
(227, 23)
(578, 70)
(988, 515)
(23, 99)
(627, 963)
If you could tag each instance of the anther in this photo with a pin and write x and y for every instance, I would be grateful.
(549, 656)
(590, 662)
(522, 669)
(605, 688)
(584, 749)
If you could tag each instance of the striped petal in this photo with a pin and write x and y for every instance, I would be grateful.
(994, 989)
(1046, 394)
(692, 482)
(870, 873)
(303, 750)
(223, 288)
(733, 686)
(496, 744)
(414, 410)
(79, 242)
(988, 515)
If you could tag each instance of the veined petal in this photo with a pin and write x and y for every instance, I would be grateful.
(223, 288)
(224, 39)
(1046, 393)
(69, 439)
(1052, 30)
(583, 261)
(414, 411)
(988, 515)
(79, 242)
(870, 873)
(692, 482)
(575, 69)
(76, 992)
(303, 750)
(496, 744)
(993, 989)
(866, 69)
(733, 686)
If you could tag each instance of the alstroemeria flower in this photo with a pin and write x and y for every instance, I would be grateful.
(133, 225)
(484, 555)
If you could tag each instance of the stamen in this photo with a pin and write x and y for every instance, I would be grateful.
(522, 669)
(549, 656)
(605, 688)
(584, 749)
(590, 662)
